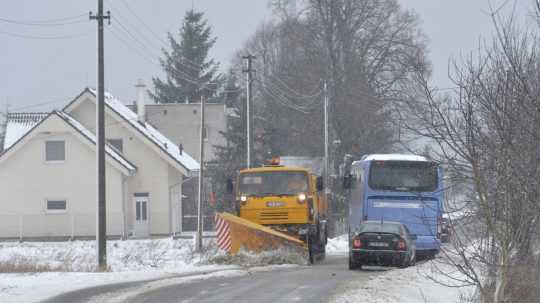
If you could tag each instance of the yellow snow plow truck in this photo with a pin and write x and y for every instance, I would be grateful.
(277, 206)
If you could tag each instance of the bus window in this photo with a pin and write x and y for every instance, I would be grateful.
(403, 176)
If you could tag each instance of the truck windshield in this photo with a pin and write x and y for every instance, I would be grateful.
(273, 183)
(403, 176)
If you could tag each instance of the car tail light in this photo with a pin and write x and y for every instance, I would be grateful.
(357, 243)
(401, 245)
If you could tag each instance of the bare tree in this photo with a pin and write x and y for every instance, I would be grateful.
(487, 132)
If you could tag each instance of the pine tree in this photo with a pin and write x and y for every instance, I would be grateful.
(231, 156)
(190, 74)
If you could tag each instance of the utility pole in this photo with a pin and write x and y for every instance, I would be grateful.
(326, 144)
(199, 237)
(101, 224)
(249, 114)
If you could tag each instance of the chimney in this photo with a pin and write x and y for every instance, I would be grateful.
(180, 148)
(141, 93)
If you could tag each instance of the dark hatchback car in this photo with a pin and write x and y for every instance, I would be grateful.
(382, 243)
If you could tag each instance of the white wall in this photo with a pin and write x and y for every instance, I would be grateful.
(152, 174)
(181, 124)
(27, 181)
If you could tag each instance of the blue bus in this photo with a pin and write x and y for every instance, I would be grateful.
(400, 188)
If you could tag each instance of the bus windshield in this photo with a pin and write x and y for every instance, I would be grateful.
(403, 176)
(273, 183)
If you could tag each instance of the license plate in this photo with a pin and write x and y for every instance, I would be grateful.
(275, 204)
(378, 244)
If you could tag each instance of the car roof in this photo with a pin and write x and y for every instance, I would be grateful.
(383, 222)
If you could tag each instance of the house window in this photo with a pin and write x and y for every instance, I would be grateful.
(56, 206)
(55, 151)
(118, 144)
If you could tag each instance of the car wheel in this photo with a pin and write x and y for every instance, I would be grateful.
(406, 263)
(353, 265)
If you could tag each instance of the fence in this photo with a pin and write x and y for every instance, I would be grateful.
(56, 225)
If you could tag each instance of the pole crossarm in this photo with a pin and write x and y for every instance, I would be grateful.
(101, 16)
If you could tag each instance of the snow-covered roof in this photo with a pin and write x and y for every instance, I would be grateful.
(90, 136)
(18, 124)
(151, 133)
(395, 157)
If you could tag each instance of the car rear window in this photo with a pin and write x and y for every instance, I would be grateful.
(379, 228)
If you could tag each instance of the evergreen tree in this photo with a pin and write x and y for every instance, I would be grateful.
(231, 156)
(190, 74)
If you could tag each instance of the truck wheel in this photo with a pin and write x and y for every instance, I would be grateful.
(311, 250)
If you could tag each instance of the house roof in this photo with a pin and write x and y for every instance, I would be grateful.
(90, 136)
(166, 145)
(20, 125)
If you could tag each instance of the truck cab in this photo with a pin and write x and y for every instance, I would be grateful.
(285, 198)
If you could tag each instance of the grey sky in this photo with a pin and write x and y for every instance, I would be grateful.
(35, 71)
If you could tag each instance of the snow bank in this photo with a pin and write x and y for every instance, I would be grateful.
(415, 284)
(164, 260)
(131, 255)
(274, 257)
(338, 245)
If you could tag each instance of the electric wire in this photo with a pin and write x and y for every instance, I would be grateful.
(24, 36)
(297, 94)
(46, 22)
(164, 45)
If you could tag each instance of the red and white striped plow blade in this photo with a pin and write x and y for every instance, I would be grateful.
(223, 234)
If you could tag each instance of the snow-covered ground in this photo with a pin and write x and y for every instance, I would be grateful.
(338, 245)
(52, 268)
(418, 284)
(132, 255)
(422, 283)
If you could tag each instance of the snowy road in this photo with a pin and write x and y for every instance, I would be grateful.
(317, 283)
(303, 284)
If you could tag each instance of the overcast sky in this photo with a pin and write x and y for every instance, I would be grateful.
(52, 64)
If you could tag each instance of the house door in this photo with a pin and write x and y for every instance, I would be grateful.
(140, 213)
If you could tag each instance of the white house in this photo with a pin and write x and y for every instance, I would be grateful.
(48, 175)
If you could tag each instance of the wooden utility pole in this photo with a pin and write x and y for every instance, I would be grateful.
(101, 224)
(199, 237)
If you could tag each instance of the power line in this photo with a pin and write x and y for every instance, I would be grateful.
(142, 22)
(283, 99)
(298, 95)
(127, 31)
(148, 54)
(44, 37)
(188, 63)
(40, 24)
(38, 104)
(44, 22)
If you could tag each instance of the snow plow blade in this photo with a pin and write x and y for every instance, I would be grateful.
(234, 233)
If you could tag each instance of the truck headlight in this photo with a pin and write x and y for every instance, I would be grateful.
(302, 198)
